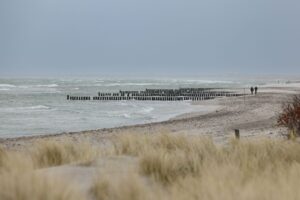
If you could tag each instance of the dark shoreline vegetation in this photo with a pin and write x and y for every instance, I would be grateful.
(290, 117)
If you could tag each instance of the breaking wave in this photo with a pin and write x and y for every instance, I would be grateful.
(27, 108)
(49, 85)
(7, 85)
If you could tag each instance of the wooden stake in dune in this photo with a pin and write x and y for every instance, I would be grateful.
(237, 133)
(244, 96)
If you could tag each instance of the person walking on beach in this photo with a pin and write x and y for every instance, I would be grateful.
(252, 90)
(255, 89)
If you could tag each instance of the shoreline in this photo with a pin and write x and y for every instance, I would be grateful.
(182, 115)
(179, 117)
(256, 116)
(125, 118)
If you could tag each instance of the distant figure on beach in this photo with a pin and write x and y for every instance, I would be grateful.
(255, 89)
(252, 90)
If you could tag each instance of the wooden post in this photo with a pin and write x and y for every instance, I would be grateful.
(237, 133)
(244, 96)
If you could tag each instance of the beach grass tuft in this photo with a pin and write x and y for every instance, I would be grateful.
(54, 153)
(14, 161)
(2, 156)
(126, 187)
(30, 186)
(138, 144)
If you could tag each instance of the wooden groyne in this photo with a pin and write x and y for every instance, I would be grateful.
(182, 94)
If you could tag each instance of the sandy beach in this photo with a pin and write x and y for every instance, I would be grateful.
(253, 115)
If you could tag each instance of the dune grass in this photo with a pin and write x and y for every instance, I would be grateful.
(138, 144)
(53, 153)
(171, 167)
(2, 156)
(190, 167)
(13, 161)
(30, 186)
(20, 180)
(48, 153)
(127, 187)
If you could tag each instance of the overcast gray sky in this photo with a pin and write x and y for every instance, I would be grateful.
(149, 37)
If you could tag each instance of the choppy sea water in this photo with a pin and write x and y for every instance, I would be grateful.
(39, 106)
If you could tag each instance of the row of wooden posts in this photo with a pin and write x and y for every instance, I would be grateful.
(196, 97)
(214, 94)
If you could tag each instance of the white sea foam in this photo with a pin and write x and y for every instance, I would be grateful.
(207, 81)
(162, 83)
(7, 86)
(10, 86)
(125, 115)
(127, 84)
(25, 86)
(147, 110)
(25, 108)
(38, 107)
(100, 81)
(114, 114)
(49, 85)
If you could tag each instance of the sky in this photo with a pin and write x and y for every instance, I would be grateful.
(149, 37)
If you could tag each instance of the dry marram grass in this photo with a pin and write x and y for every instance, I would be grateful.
(126, 187)
(29, 186)
(169, 167)
(195, 168)
(53, 153)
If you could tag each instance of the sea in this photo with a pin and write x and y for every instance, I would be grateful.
(39, 106)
